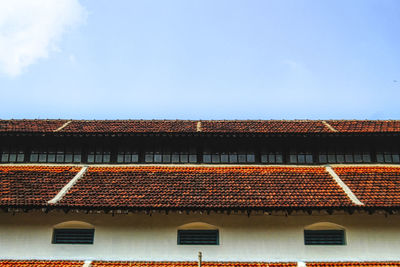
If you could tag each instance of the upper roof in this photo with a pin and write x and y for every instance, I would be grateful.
(200, 126)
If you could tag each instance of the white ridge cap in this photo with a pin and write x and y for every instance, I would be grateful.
(345, 188)
(87, 264)
(198, 126)
(62, 126)
(68, 186)
(329, 126)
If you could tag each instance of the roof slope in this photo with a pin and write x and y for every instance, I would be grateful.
(354, 264)
(32, 185)
(200, 126)
(40, 263)
(42, 126)
(367, 126)
(206, 187)
(189, 264)
(43, 263)
(199, 187)
(374, 186)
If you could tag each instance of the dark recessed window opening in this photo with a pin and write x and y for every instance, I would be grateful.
(170, 156)
(331, 157)
(12, 155)
(349, 155)
(73, 236)
(272, 157)
(229, 157)
(324, 237)
(198, 237)
(357, 157)
(301, 157)
(55, 154)
(99, 155)
(388, 157)
(127, 155)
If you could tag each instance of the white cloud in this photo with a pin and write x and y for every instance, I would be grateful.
(31, 29)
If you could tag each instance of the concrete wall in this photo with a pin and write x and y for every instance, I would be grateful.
(242, 238)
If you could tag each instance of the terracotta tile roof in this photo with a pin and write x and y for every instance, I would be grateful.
(353, 264)
(206, 187)
(39, 263)
(205, 126)
(363, 126)
(131, 126)
(190, 264)
(374, 186)
(199, 187)
(30, 125)
(32, 185)
(267, 126)
(49, 263)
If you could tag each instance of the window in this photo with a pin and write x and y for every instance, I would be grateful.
(127, 155)
(300, 157)
(198, 237)
(73, 236)
(348, 155)
(357, 157)
(165, 155)
(272, 157)
(331, 157)
(229, 157)
(324, 237)
(388, 157)
(99, 155)
(12, 154)
(58, 154)
(324, 233)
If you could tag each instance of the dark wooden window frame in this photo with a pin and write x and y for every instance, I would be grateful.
(71, 236)
(324, 237)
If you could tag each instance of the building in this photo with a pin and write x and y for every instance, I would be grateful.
(155, 193)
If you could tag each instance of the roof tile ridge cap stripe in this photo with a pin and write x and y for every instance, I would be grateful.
(198, 126)
(62, 126)
(344, 187)
(68, 186)
(330, 127)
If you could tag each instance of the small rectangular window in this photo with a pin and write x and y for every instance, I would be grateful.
(73, 236)
(233, 157)
(127, 155)
(198, 237)
(300, 157)
(229, 157)
(168, 155)
(98, 155)
(388, 157)
(324, 237)
(12, 154)
(272, 157)
(224, 158)
(206, 158)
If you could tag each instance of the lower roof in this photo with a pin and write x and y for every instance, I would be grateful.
(45, 263)
(199, 187)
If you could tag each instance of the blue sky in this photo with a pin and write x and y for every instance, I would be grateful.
(125, 59)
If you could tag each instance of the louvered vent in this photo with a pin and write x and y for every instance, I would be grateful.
(73, 236)
(198, 237)
(324, 237)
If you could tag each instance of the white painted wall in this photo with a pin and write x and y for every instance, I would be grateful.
(242, 238)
